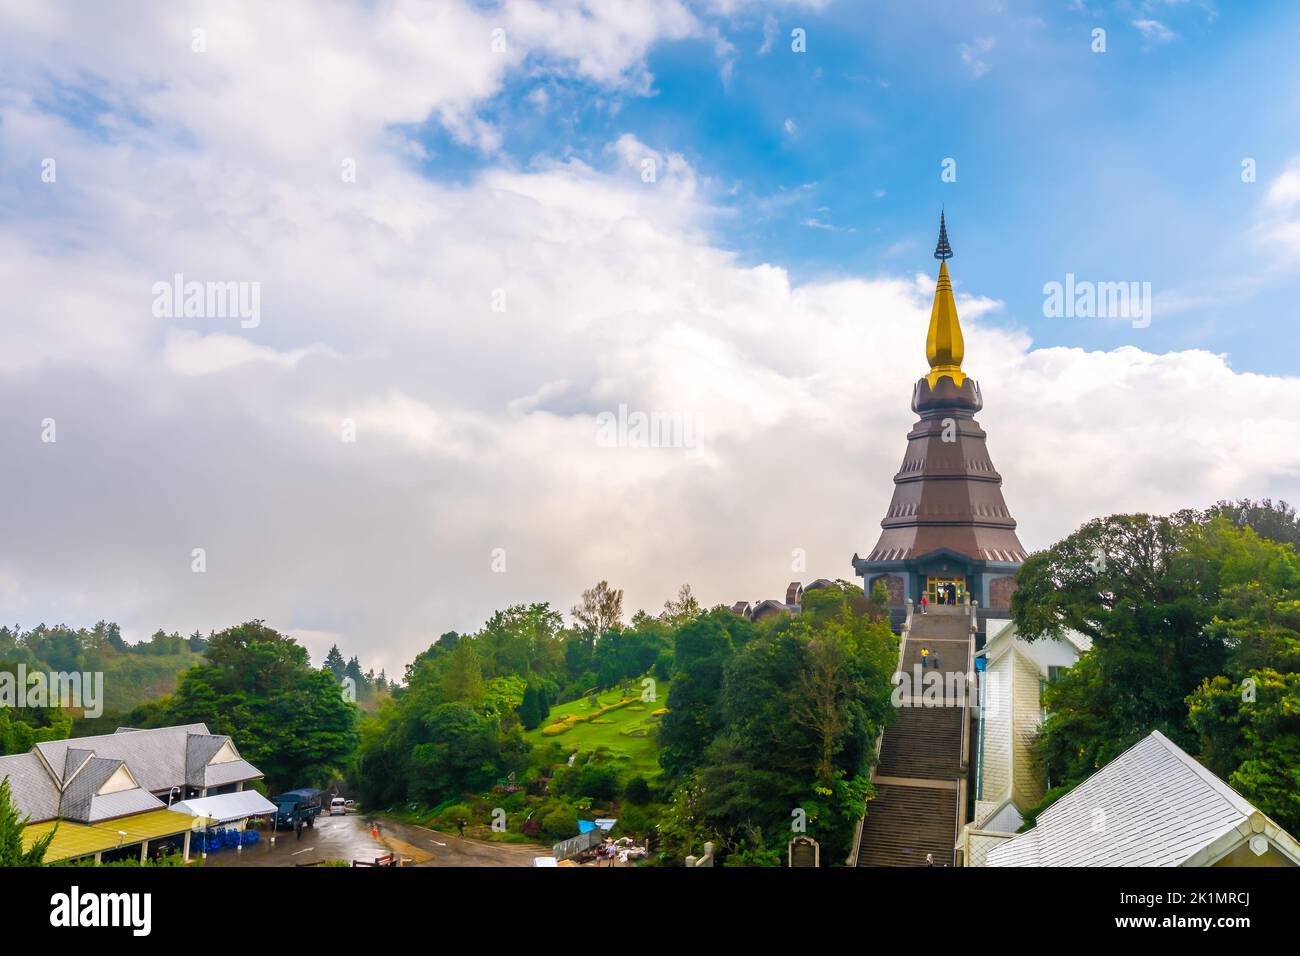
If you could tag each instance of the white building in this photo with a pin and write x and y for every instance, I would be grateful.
(1007, 780)
(114, 792)
(1015, 672)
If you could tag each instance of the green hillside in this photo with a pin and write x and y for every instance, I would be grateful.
(134, 679)
(625, 732)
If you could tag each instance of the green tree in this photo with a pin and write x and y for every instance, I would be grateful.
(1277, 522)
(1142, 589)
(457, 754)
(600, 611)
(12, 852)
(522, 640)
(256, 685)
(1185, 612)
(530, 708)
(334, 662)
(792, 723)
(462, 676)
(1252, 737)
(693, 718)
(686, 608)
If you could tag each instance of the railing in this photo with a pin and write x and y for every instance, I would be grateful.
(970, 674)
(880, 737)
(965, 719)
(706, 860)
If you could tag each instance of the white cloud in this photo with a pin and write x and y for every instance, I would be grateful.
(1284, 190)
(973, 53)
(189, 353)
(1277, 229)
(1154, 30)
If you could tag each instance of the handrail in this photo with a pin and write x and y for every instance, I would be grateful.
(970, 674)
(965, 720)
(880, 737)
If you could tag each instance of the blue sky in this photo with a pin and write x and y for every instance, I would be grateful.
(1115, 166)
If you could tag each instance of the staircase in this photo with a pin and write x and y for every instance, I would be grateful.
(920, 779)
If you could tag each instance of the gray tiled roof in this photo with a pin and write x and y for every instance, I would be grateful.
(83, 802)
(1153, 805)
(73, 760)
(220, 774)
(78, 794)
(157, 758)
(34, 791)
(199, 749)
(122, 803)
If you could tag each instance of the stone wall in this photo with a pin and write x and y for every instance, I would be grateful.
(1000, 591)
(895, 584)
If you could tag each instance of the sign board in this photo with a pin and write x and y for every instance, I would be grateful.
(804, 851)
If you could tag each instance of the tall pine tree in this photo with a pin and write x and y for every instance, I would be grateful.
(530, 708)
(334, 661)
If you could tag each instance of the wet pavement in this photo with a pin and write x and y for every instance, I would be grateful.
(348, 838)
(332, 838)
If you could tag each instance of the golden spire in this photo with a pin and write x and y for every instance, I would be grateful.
(944, 347)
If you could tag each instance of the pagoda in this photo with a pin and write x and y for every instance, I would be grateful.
(947, 532)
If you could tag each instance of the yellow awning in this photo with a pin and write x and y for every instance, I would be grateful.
(151, 825)
(79, 839)
(71, 840)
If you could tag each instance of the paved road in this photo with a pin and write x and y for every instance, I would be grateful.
(348, 838)
(332, 838)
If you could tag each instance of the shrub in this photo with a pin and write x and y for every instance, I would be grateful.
(598, 781)
(561, 823)
(637, 791)
(452, 815)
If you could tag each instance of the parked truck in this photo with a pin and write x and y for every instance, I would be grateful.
(296, 805)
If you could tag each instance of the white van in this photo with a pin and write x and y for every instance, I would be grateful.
(338, 806)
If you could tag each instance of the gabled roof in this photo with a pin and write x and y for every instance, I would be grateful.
(770, 606)
(35, 791)
(1003, 632)
(73, 761)
(156, 757)
(1153, 805)
(104, 789)
(161, 758)
(199, 749)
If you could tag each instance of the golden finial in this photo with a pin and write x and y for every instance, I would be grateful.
(944, 347)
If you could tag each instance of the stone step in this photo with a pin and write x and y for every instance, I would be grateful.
(923, 742)
(903, 824)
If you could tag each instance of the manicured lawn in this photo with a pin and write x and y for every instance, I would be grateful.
(627, 734)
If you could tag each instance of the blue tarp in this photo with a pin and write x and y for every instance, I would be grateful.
(585, 826)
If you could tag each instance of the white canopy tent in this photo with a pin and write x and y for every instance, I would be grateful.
(227, 807)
